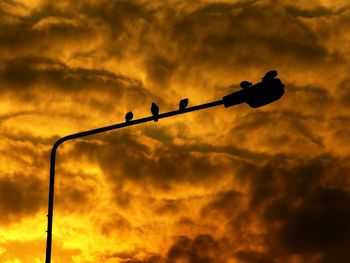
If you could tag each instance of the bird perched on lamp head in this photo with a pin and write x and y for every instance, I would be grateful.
(155, 111)
(128, 116)
(270, 75)
(245, 84)
(183, 104)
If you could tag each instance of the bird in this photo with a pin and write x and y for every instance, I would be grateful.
(155, 111)
(270, 75)
(183, 104)
(128, 116)
(245, 84)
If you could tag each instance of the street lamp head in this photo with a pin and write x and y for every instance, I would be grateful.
(265, 93)
(245, 84)
(258, 95)
(270, 75)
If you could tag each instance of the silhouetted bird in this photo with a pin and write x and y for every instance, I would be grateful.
(245, 84)
(129, 116)
(270, 75)
(155, 111)
(183, 104)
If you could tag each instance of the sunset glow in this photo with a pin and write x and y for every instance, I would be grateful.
(235, 185)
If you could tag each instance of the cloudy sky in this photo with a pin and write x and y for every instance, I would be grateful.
(235, 185)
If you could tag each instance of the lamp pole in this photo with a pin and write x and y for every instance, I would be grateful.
(245, 95)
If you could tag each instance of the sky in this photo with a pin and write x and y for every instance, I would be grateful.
(234, 185)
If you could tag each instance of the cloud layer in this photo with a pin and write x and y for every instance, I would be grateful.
(221, 185)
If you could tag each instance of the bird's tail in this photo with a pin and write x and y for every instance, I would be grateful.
(155, 118)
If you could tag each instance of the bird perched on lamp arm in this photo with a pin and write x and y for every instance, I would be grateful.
(183, 104)
(128, 116)
(155, 111)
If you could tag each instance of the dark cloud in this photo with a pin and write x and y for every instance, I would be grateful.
(318, 11)
(127, 157)
(160, 70)
(24, 72)
(309, 97)
(342, 93)
(313, 217)
(21, 195)
(220, 34)
(43, 32)
(28, 79)
(18, 135)
(320, 224)
(168, 206)
(246, 256)
(202, 248)
(186, 222)
(152, 259)
(118, 15)
(7, 116)
(223, 203)
(74, 192)
(115, 224)
(26, 149)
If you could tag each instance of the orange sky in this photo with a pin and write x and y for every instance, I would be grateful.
(236, 185)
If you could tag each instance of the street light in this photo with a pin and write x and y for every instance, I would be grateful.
(260, 94)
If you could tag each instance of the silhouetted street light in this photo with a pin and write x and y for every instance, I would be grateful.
(257, 95)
